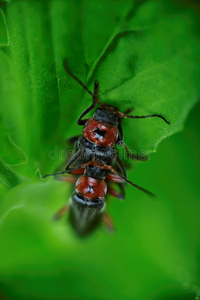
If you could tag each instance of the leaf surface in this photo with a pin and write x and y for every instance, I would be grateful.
(145, 55)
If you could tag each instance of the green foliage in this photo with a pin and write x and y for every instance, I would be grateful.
(145, 54)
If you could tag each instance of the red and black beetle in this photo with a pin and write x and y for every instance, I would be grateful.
(87, 204)
(95, 150)
(102, 132)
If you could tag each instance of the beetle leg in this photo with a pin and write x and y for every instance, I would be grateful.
(115, 193)
(108, 222)
(134, 156)
(73, 139)
(122, 190)
(69, 178)
(114, 178)
(120, 127)
(94, 101)
(94, 94)
(120, 165)
(128, 152)
(74, 158)
(61, 212)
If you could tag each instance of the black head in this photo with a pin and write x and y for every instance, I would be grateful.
(95, 172)
(107, 116)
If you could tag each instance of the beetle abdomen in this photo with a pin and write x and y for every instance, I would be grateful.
(85, 215)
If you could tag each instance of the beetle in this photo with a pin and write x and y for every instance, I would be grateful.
(95, 150)
(101, 132)
(87, 203)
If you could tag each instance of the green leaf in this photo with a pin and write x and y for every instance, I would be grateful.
(10, 155)
(4, 39)
(9, 151)
(142, 62)
(153, 70)
(155, 246)
(145, 54)
(8, 178)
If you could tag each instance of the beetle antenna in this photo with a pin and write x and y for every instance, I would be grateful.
(69, 170)
(104, 106)
(150, 194)
(63, 172)
(60, 173)
(76, 78)
(96, 88)
(121, 115)
(149, 116)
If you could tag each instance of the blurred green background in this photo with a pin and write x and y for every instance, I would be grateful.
(145, 54)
